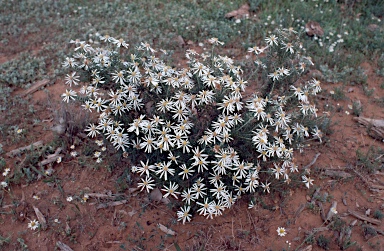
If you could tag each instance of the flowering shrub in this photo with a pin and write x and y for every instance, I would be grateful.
(191, 132)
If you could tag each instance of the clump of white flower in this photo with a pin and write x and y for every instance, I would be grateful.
(193, 125)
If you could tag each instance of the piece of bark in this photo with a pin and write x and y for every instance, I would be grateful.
(68, 229)
(341, 236)
(374, 186)
(348, 233)
(377, 172)
(363, 178)
(379, 231)
(63, 246)
(100, 195)
(320, 229)
(315, 195)
(133, 212)
(21, 149)
(337, 174)
(313, 161)
(298, 211)
(307, 248)
(368, 181)
(112, 204)
(52, 157)
(21, 211)
(322, 213)
(350, 89)
(313, 28)
(340, 168)
(41, 218)
(242, 12)
(332, 211)
(376, 132)
(373, 27)
(180, 41)
(50, 160)
(61, 127)
(36, 86)
(353, 223)
(58, 150)
(155, 195)
(375, 126)
(378, 198)
(133, 191)
(166, 230)
(364, 218)
(104, 196)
